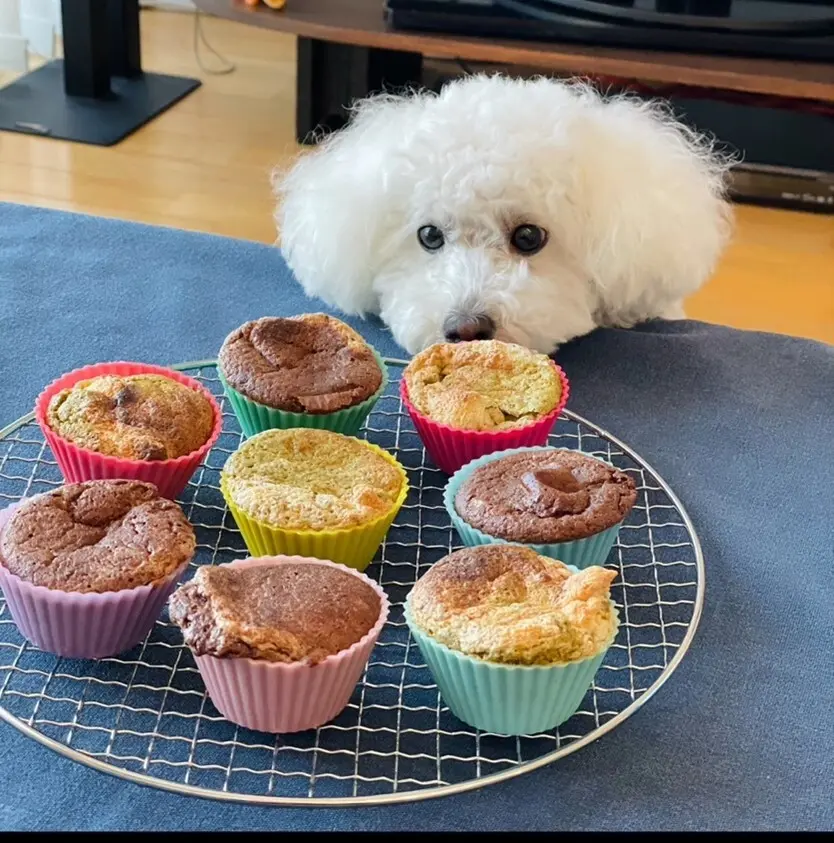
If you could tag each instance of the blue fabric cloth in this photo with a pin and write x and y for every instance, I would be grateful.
(740, 424)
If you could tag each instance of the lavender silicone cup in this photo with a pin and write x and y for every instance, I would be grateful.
(278, 697)
(78, 625)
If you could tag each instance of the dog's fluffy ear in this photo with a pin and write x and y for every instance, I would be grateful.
(336, 208)
(650, 213)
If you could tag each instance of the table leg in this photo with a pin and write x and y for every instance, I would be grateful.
(332, 76)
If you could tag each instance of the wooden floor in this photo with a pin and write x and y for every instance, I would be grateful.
(204, 166)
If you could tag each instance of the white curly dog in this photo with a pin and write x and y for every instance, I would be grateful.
(530, 211)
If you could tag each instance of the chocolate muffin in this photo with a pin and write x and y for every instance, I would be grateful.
(482, 385)
(135, 417)
(303, 364)
(506, 604)
(278, 612)
(545, 496)
(102, 535)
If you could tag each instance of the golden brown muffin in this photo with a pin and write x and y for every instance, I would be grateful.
(278, 611)
(306, 479)
(312, 363)
(482, 385)
(504, 603)
(102, 535)
(135, 417)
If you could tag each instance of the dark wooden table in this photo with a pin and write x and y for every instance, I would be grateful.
(346, 49)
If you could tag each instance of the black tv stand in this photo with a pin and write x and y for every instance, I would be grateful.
(98, 94)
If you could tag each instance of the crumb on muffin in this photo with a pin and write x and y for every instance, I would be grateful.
(546, 495)
(278, 611)
(482, 385)
(136, 417)
(307, 479)
(101, 535)
(506, 604)
(312, 363)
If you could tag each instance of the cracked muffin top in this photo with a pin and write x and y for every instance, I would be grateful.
(308, 479)
(302, 364)
(507, 604)
(102, 535)
(135, 417)
(543, 496)
(482, 385)
(277, 611)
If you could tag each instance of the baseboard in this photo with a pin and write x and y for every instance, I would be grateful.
(13, 53)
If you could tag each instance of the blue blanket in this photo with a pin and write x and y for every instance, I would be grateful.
(739, 423)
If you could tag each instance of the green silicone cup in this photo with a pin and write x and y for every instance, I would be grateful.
(580, 553)
(255, 418)
(506, 699)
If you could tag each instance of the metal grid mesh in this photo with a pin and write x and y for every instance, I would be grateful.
(145, 713)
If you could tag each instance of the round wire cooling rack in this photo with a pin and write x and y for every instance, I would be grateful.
(145, 716)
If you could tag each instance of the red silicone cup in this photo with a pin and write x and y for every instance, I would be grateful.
(451, 448)
(83, 625)
(79, 464)
(277, 697)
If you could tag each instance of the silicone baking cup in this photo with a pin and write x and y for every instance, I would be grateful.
(78, 464)
(506, 699)
(580, 553)
(450, 448)
(277, 697)
(83, 625)
(351, 546)
(255, 418)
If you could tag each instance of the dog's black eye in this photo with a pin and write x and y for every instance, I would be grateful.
(528, 239)
(431, 238)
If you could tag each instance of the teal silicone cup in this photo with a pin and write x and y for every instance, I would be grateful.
(255, 418)
(506, 699)
(580, 553)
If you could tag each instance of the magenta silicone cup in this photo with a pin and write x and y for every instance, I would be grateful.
(89, 625)
(279, 697)
(78, 464)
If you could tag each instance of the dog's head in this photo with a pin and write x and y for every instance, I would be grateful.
(531, 211)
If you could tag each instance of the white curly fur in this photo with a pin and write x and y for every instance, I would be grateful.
(632, 201)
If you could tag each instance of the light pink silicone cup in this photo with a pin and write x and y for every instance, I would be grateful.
(277, 697)
(78, 464)
(451, 448)
(90, 625)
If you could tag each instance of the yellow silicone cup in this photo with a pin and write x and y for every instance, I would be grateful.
(351, 546)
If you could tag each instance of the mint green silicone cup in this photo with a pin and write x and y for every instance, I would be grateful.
(580, 553)
(506, 699)
(255, 418)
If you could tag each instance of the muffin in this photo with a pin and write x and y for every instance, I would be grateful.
(484, 385)
(565, 504)
(313, 493)
(87, 567)
(280, 642)
(129, 421)
(303, 371)
(470, 399)
(513, 639)
(134, 417)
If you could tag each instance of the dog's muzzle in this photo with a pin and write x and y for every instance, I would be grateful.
(465, 327)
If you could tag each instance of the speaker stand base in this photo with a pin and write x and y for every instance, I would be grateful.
(37, 104)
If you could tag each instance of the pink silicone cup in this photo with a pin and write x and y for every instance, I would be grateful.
(80, 625)
(78, 464)
(277, 697)
(451, 448)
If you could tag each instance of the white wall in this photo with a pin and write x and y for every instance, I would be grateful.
(27, 24)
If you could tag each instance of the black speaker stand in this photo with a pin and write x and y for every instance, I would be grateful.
(99, 93)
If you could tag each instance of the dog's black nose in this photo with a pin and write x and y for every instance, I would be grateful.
(465, 328)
